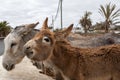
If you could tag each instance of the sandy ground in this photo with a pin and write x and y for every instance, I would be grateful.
(23, 71)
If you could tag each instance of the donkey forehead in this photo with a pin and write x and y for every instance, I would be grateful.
(20, 27)
(11, 37)
(43, 33)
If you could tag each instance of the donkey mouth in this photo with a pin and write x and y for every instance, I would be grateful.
(9, 67)
(29, 54)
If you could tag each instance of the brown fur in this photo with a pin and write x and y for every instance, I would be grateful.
(102, 63)
(89, 62)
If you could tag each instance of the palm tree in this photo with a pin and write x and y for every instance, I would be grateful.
(86, 22)
(110, 15)
(4, 28)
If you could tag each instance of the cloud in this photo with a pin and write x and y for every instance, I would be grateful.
(18, 12)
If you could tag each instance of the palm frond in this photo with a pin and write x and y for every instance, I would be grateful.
(112, 8)
(102, 9)
(115, 13)
(107, 11)
(101, 13)
(117, 22)
(116, 16)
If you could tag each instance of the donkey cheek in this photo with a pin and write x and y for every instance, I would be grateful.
(39, 57)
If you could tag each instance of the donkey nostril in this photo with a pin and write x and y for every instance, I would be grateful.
(12, 65)
(8, 66)
(28, 48)
(31, 53)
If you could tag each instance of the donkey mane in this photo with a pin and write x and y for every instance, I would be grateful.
(65, 47)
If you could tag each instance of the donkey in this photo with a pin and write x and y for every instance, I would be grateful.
(21, 34)
(17, 38)
(13, 52)
(101, 63)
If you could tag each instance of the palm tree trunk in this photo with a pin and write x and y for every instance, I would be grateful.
(106, 29)
(107, 25)
(85, 29)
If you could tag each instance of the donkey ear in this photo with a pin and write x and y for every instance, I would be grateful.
(33, 25)
(45, 24)
(29, 27)
(63, 34)
(67, 31)
(25, 29)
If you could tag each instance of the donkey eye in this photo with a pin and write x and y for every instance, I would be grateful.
(46, 39)
(13, 44)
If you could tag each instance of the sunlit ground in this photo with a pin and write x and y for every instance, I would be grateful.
(23, 71)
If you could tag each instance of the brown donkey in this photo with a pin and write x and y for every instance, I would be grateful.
(102, 63)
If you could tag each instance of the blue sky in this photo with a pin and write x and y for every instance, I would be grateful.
(18, 12)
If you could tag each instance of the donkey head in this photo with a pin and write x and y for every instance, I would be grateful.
(41, 46)
(13, 52)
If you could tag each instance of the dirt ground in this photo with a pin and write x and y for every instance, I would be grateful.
(23, 71)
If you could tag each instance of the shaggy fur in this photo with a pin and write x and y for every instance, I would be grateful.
(89, 63)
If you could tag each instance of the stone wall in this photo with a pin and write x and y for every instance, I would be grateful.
(1, 45)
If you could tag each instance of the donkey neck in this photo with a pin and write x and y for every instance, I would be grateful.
(63, 53)
(66, 58)
(63, 48)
